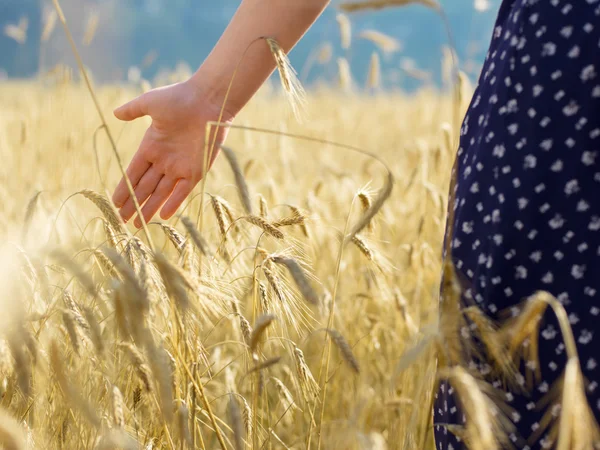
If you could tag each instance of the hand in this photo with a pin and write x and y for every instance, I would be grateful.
(170, 159)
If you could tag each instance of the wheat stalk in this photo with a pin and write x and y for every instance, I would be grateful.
(240, 181)
(345, 30)
(235, 418)
(12, 436)
(374, 77)
(117, 403)
(260, 327)
(386, 43)
(291, 85)
(264, 225)
(379, 4)
(300, 278)
(197, 239)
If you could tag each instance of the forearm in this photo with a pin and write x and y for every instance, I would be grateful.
(284, 20)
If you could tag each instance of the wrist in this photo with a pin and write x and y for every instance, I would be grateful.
(212, 89)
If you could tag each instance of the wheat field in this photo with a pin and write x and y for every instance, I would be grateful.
(293, 301)
(92, 295)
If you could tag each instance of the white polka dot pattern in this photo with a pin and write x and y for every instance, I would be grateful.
(527, 198)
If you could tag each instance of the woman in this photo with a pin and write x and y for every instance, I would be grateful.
(527, 209)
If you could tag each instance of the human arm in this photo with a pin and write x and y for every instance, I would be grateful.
(169, 161)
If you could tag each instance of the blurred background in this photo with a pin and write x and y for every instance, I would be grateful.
(148, 39)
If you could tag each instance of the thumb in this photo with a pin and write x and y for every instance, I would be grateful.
(138, 107)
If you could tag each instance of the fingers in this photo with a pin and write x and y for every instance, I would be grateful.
(182, 190)
(136, 170)
(156, 200)
(133, 109)
(143, 190)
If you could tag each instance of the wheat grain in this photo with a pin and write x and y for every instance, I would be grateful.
(344, 74)
(300, 278)
(49, 24)
(374, 77)
(345, 30)
(197, 239)
(142, 369)
(386, 43)
(11, 433)
(309, 386)
(291, 85)
(264, 209)
(285, 393)
(264, 225)
(235, 418)
(69, 322)
(174, 236)
(260, 326)
(106, 208)
(240, 181)
(117, 403)
(183, 425)
(345, 349)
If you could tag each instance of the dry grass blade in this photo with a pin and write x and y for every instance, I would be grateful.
(106, 208)
(235, 419)
(260, 326)
(300, 278)
(12, 436)
(240, 181)
(340, 342)
(380, 4)
(195, 235)
(291, 85)
(264, 225)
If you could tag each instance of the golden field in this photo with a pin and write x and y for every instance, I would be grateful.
(109, 343)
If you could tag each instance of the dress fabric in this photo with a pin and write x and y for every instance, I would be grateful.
(527, 196)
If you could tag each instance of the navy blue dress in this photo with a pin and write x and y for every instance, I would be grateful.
(527, 198)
